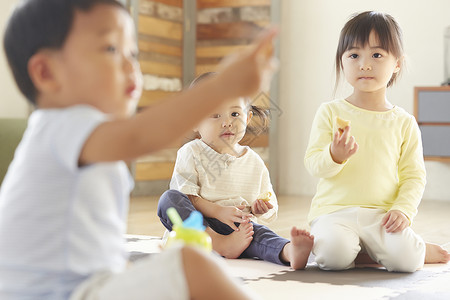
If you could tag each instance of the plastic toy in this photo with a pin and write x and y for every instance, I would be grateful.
(190, 232)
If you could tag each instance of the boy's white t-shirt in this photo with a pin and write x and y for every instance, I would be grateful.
(60, 223)
(222, 178)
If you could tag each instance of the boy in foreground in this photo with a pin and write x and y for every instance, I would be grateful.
(64, 200)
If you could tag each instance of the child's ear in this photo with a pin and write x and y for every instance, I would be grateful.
(249, 116)
(399, 64)
(42, 72)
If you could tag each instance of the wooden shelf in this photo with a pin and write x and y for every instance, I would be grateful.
(432, 112)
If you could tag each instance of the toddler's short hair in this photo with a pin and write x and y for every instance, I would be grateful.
(40, 24)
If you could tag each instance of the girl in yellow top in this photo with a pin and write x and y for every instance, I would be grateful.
(372, 180)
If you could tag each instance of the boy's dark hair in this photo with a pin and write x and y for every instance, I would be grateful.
(40, 24)
(263, 114)
(357, 30)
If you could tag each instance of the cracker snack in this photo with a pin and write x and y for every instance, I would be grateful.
(341, 124)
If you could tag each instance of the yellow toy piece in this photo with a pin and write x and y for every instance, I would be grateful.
(190, 232)
(189, 236)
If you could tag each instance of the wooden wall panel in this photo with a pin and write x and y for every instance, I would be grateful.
(162, 10)
(219, 31)
(223, 27)
(160, 41)
(219, 51)
(160, 28)
(202, 68)
(152, 97)
(177, 3)
(227, 26)
(149, 46)
(230, 3)
(162, 69)
(153, 171)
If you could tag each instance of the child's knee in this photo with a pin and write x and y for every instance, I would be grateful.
(405, 256)
(171, 195)
(169, 198)
(335, 256)
(405, 264)
(405, 259)
(336, 261)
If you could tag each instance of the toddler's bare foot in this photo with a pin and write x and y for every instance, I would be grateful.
(435, 254)
(299, 248)
(232, 245)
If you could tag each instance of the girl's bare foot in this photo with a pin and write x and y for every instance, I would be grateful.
(435, 254)
(232, 245)
(297, 251)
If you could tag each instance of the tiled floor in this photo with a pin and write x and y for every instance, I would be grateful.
(432, 221)
(272, 281)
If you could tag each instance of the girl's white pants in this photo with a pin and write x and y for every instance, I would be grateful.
(341, 235)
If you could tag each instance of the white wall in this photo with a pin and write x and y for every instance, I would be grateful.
(309, 34)
(12, 103)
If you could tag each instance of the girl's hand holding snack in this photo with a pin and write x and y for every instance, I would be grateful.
(343, 146)
(341, 124)
(260, 207)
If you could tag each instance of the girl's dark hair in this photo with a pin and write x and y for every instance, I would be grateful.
(357, 30)
(256, 126)
(40, 24)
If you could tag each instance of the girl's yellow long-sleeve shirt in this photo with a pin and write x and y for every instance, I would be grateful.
(386, 172)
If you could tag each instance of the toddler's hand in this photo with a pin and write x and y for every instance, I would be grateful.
(260, 207)
(395, 221)
(341, 149)
(232, 214)
(244, 73)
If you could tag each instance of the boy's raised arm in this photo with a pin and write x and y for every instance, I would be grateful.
(158, 126)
